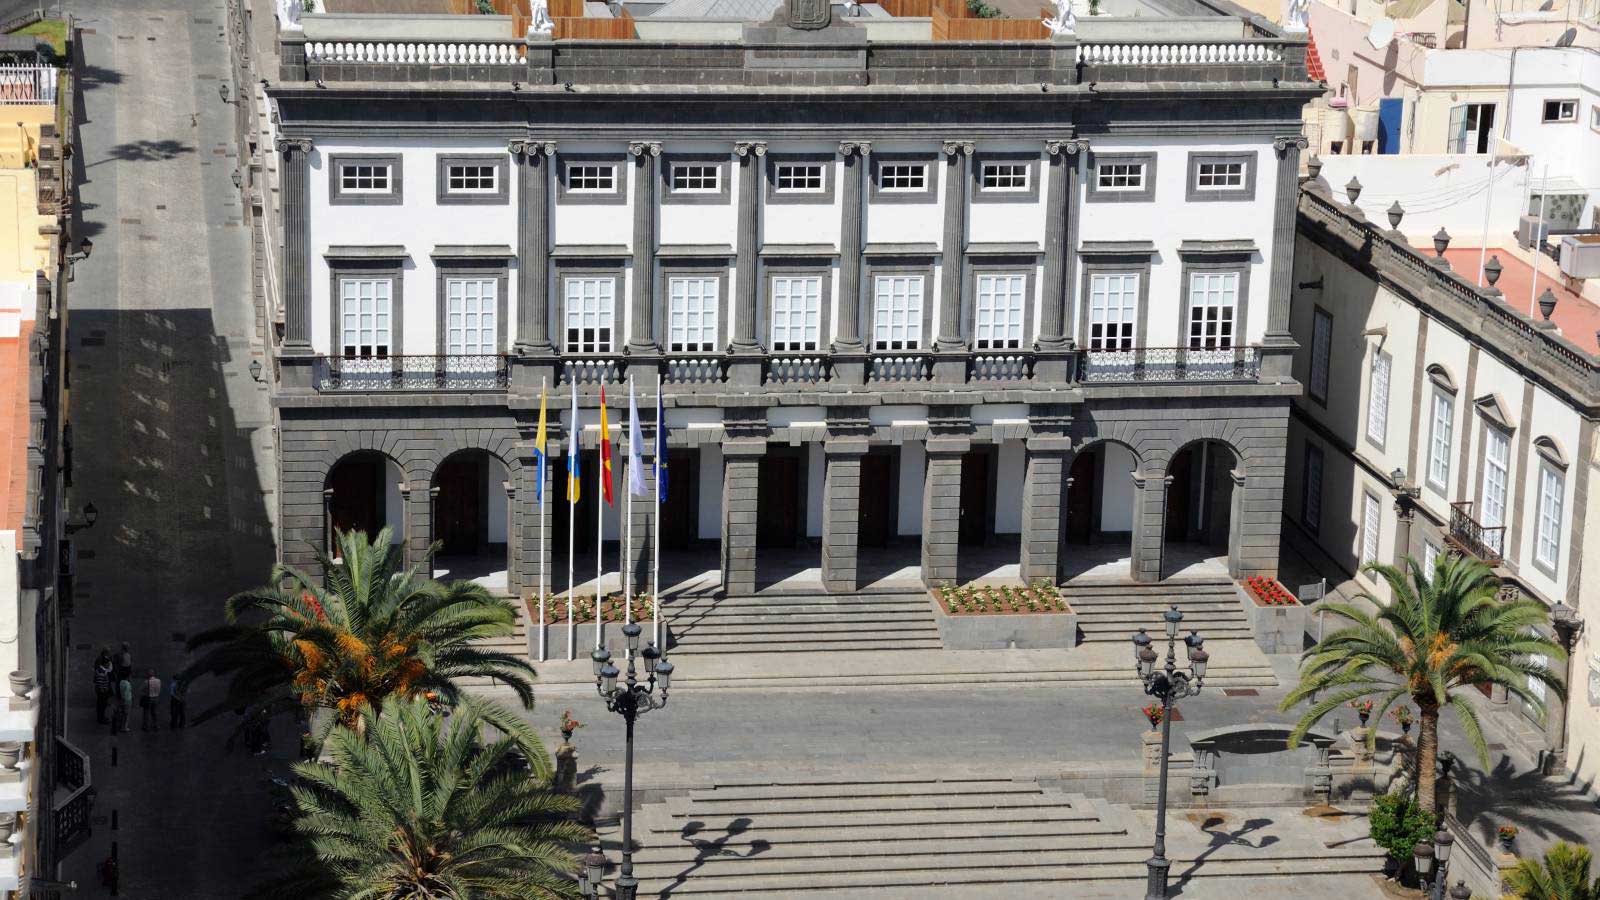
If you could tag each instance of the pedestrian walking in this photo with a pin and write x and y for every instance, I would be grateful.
(124, 662)
(125, 701)
(102, 686)
(178, 716)
(149, 699)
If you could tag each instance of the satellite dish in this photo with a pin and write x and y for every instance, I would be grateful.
(1382, 33)
(1567, 37)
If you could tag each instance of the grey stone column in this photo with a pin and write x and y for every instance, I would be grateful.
(1405, 513)
(1277, 346)
(1043, 488)
(1237, 525)
(533, 247)
(1567, 627)
(1149, 525)
(296, 368)
(641, 336)
(941, 509)
(418, 498)
(849, 352)
(745, 366)
(952, 256)
(532, 542)
(641, 554)
(1053, 348)
(741, 476)
(841, 513)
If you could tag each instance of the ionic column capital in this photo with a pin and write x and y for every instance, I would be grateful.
(640, 148)
(1069, 146)
(848, 147)
(532, 146)
(293, 145)
(958, 148)
(748, 148)
(1282, 143)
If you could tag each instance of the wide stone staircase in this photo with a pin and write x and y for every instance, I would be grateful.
(1113, 611)
(884, 838)
(795, 622)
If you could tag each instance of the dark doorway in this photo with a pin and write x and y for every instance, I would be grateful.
(877, 499)
(1179, 505)
(779, 514)
(582, 522)
(975, 494)
(679, 512)
(461, 512)
(358, 494)
(1081, 496)
(1200, 495)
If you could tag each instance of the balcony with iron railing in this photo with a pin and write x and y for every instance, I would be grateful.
(441, 372)
(1168, 364)
(75, 790)
(1467, 534)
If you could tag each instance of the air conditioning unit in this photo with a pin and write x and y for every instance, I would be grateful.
(1580, 255)
(1525, 227)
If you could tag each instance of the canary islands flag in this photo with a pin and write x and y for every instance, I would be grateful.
(574, 438)
(539, 454)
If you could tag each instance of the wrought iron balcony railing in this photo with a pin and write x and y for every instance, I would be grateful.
(413, 373)
(1143, 364)
(72, 815)
(1486, 542)
(901, 367)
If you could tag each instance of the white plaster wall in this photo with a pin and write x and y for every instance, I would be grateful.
(710, 492)
(1561, 423)
(700, 223)
(889, 415)
(1450, 350)
(803, 223)
(816, 475)
(918, 223)
(1009, 222)
(1011, 466)
(1180, 221)
(495, 477)
(11, 603)
(913, 469)
(419, 224)
(1116, 489)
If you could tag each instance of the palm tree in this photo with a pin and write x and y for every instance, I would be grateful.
(373, 631)
(420, 807)
(1562, 875)
(1437, 636)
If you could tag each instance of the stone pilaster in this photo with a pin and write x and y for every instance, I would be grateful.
(534, 548)
(1053, 348)
(1236, 525)
(1043, 490)
(941, 509)
(641, 553)
(1149, 525)
(849, 352)
(841, 513)
(1405, 513)
(950, 348)
(296, 370)
(1277, 346)
(418, 497)
(641, 336)
(741, 476)
(744, 366)
(534, 354)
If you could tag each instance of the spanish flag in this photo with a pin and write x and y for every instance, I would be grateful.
(605, 451)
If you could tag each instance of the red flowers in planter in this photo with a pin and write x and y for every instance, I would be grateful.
(1153, 713)
(1268, 592)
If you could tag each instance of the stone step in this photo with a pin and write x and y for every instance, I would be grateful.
(867, 821)
(784, 639)
(918, 605)
(854, 788)
(1260, 676)
(1140, 606)
(765, 624)
(881, 843)
(766, 807)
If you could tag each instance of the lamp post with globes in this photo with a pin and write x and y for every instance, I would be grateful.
(1168, 684)
(630, 700)
(1432, 859)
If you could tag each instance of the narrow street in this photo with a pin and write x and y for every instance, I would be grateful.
(172, 439)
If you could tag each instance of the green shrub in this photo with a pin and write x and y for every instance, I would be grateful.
(982, 10)
(1399, 823)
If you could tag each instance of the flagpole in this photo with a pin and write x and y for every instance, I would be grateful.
(628, 551)
(599, 530)
(655, 546)
(572, 526)
(544, 561)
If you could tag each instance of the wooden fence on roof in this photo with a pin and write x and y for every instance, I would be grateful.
(901, 9)
(577, 28)
(951, 28)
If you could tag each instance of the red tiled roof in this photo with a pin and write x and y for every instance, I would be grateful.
(14, 427)
(1576, 316)
(1314, 69)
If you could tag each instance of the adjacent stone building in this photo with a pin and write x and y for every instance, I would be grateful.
(902, 291)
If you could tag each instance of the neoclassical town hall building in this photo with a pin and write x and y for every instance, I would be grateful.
(903, 292)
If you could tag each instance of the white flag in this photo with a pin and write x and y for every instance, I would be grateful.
(636, 485)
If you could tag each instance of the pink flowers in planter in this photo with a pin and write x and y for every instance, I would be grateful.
(1268, 592)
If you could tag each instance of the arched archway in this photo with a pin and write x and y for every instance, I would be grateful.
(1098, 510)
(1200, 528)
(472, 519)
(362, 492)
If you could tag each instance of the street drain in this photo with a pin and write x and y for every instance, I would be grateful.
(1240, 692)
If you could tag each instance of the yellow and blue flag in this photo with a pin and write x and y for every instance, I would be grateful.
(539, 454)
(574, 438)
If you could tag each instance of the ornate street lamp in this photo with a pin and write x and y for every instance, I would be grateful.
(1433, 864)
(1169, 685)
(630, 700)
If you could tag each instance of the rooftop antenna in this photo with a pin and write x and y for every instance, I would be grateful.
(1381, 33)
(1567, 37)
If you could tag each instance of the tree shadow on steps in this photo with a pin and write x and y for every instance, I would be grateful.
(713, 847)
(1528, 799)
(1219, 839)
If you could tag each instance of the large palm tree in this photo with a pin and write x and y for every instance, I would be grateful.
(372, 631)
(420, 806)
(1442, 632)
(1563, 874)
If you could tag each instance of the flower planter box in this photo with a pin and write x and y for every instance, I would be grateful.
(611, 635)
(1054, 629)
(1277, 618)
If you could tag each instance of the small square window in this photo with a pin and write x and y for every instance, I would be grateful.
(472, 179)
(364, 178)
(1005, 176)
(1219, 175)
(903, 177)
(1560, 111)
(799, 178)
(591, 178)
(1119, 177)
(695, 178)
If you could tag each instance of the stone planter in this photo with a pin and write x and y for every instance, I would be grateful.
(1001, 631)
(1277, 629)
(8, 826)
(21, 684)
(10, 754)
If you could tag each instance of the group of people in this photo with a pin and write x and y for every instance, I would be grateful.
(115, 688)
